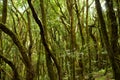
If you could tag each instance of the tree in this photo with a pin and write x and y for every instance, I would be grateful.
(42, 33)
(110, 43)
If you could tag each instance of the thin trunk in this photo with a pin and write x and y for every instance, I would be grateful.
(4, 11)
(39, 47)
(81, 71)
(49, 63)
(73, 38)
(30, 36)
(30, 70)
(79, 23)
(88, 46)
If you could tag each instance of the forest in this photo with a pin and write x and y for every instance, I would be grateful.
(59, 39)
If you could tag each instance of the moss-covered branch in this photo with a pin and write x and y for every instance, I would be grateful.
(15, 72)
(23, 51)
(15, 39)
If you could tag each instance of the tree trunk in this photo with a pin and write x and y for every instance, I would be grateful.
(79, 23)
(44, 41)
(49, 62)
(114, 37)
(111, 47)
(87, 41)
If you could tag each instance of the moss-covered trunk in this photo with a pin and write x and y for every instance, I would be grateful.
(111, 44)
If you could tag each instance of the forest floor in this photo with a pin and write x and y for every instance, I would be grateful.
(101, 75)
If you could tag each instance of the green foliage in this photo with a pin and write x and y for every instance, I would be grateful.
(91, 57)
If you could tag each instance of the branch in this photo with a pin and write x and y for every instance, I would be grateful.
(30, 35)
(16, 75)
(42, 33)
(18, 12)
(17, 42)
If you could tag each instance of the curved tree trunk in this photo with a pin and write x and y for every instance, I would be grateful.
(44, 41)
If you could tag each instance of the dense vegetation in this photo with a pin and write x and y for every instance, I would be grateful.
(59, 40)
